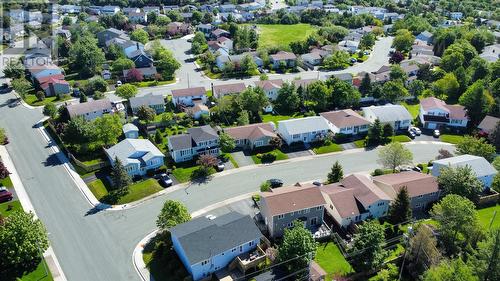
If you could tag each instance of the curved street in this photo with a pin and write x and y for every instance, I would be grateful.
(99, 246)
(189, 76)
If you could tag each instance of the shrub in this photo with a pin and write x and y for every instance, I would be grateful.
(421, 167)
(265, 186)
(259, 155)
(268, 157)
(377, 172)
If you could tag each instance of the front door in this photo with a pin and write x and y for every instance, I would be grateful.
(314, 221)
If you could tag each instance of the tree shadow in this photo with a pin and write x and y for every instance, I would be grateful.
(16, 272)
(97, 209)
(52, 160)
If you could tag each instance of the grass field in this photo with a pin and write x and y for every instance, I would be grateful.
(136, 191)
(454, 139)
(485, 215)
(282, 34)
(152, 83)
(16, 205)
(32, 100)
(328, 148)
(6, 182)
(412, 108)
(275, 118)
(400, 138)
(184, 174)
(329, 257)
(279, 156)
(359, 143)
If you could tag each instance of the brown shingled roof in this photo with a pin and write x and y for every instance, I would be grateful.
(234, 88)
(188, 92)
(365, 191)
(289, 199)
(416, 183)
(342, 198)
(267, 85)
(252, 131)
(344, 118)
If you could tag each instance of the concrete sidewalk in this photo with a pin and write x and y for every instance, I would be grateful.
(49, 255)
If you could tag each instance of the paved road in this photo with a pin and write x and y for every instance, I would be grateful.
(190, 76)
(99, 246)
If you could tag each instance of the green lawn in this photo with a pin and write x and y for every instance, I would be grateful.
(412, 108)
(136, 191)
(400, 138)
(32, 100)
(328, 148)
(16, 205)
(454, 139)
(485, 215)
(6, 182)
(279, 156)
(183, 174)
(275, 118)
(231, 159)
(282, 34)
(360, 143)
(396, 252)
(144, 84)
(329, 257)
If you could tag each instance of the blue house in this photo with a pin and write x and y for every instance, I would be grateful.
(207, 245)
(137, 156)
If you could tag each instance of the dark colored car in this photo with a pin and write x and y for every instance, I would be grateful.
(275, 183)
(220, 166)
(165, 180)
(5, 196)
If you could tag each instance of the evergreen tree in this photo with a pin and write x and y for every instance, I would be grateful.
(400, 210)
(119, 176)
(366, 85)
(387, 132)
(297, 248)
(83, 98)
(158, 137)
(375, 133)
(336, 174)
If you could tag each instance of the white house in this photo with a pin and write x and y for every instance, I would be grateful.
(485, 172)
(189, 96)
(349, 46)
(395, 115)
(347, 122)
(270, 87)
(308, 129)
(435, 113)
(355, 199)
(136, 155)
(90, 110)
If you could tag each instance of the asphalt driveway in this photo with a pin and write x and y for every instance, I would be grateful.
(242, 159)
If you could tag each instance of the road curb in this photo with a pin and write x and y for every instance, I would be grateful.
(49, 255)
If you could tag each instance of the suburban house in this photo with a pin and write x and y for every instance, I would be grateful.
(435, 113)
(303, 83)
(206, 245)
(286, 58)
(355, 198)
(140, 58)
(130, 131)
(270, 87)
(221, 90)
(491, 53)
(346, 122)
(395, 115)
(485, 172)
(456, 15)
(197, 110)
(129, 47)
(349, 46)
(138, 17)
(178, 28)
(151, 9)
(110, 33)
(307, 129)
(205, 29)
(221, 60)
(345, 77)
(220, 33)
(410, 68)
(312, 58)
(253, 135)
(197, 141)
(425, 36)
(422, 188)
(90, 110)
(281, 207)
(155, 102)
(45, 70)
(488, 124)
(188, 96)
(55, 86)
(146, 72)
(137, 156)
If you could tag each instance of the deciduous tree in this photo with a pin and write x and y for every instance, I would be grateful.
(461, 181)
(107, 129)
(393, 91)
(476, 146)
(50, 110)
(226, 142)
(422, 251)
(297, 248)
(14, 70)
(86, 56)
(145, 113)
(394, 155)
(366, 250)
(22, 240)
(403, 40)
(450, 270)
(126, 91)
(21, 86)
(484, 261)
(140, 35)
(3, 171)
(172, 214)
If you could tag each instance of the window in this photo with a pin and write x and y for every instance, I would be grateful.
(281, 216)
(250, 243)
(204, 262)
(290, 224)
(298, 212)
(319, 208)
(241, 249)
(233, 250)
(306, 211)
(331, 206)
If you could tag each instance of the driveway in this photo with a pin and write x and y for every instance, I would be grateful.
(242, 159)
(300, 153)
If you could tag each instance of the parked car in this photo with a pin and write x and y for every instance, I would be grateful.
(436, 133)
(165, 180)
(317, 183)
(411, 134)
(220, 166)
(416, 130)
(353, 60)
(118, 83)
(12, 45)
(3, 189)
(210, 217)
(5, 86)
(5, 196)
(275, 183)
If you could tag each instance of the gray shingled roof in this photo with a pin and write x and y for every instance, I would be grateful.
(478, 164)
(179, 142)
(202, 133)
(90, 106)
(302, 125)
(128, 147)
(129, 127)
(147, 100)
(389, 112)
(202, 238)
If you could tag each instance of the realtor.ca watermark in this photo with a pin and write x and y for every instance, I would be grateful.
(28, 30)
